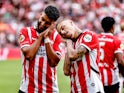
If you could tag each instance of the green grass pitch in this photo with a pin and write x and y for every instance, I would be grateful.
(10, 76)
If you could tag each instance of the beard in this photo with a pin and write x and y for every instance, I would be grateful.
(39, 28)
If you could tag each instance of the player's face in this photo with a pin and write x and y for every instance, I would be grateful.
(65, 29)
(43, 23)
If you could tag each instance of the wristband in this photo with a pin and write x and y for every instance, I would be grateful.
(47, 40)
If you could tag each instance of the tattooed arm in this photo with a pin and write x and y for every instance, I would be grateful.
(75, 53)
(67, 65)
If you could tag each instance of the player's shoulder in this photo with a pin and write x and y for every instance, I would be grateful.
(89, 36)
(55, 35)
(23, 29)
(116, 39)
(55, 32)
(87, 31)
(108, 35)
(26, 29)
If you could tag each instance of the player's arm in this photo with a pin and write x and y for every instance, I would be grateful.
(67, 65)
(119, 57)
(53, 57)
(75, 53)
(30, 51)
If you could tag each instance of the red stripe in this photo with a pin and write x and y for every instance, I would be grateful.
(71, 75)
(74, 86)
(48, 79)
(40, 70)
(74, 74)
(109, 73)
(82, 78)
(31, 85)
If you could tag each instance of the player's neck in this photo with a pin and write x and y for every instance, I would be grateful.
(77, 35)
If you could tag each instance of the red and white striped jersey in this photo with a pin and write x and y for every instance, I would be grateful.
(37, 75)
(81, 79)
(109, 45)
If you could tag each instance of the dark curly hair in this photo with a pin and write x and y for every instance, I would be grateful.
(107, 23)
(52, 12)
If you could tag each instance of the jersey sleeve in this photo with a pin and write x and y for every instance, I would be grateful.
(23, 38)
(89, 40)
(57, 44)
(117, 46)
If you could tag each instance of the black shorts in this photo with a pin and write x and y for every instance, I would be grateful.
(112, 89)
(20, 91)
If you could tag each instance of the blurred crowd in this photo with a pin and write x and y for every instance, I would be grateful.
(87, 14)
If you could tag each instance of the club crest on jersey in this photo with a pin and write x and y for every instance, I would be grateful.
(21, 38)
(87, 38)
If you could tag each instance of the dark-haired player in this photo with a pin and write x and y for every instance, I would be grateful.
(111, 55)
(40, 47)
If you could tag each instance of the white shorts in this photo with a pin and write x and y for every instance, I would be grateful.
(95, 83)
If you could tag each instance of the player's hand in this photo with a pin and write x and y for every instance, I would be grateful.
(69, 42)
(49, 30)
(42, 34)
(64, 41)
